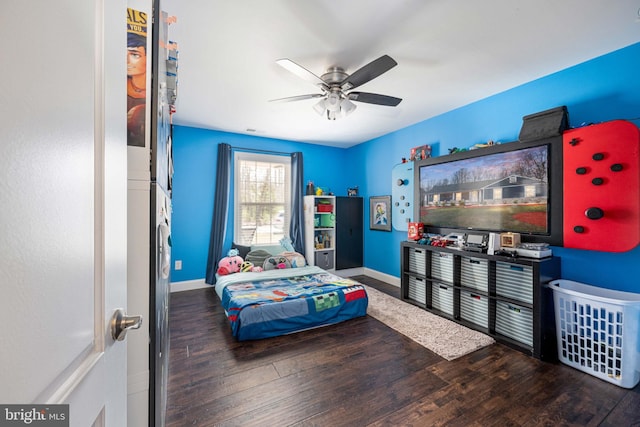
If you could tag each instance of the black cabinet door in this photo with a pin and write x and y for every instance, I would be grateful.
(349, 240)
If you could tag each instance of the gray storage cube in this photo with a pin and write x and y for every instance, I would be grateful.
(442, 297)
(514, 281)
(324, 259)
(442, 266)
(474, 273)
(417, 290)
(515, 322)
(474, 308)
(417, 260)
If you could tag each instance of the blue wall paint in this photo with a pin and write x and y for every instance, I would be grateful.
(195, 156)
(602, 89)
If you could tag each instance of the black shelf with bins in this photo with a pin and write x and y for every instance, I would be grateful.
(501, 296)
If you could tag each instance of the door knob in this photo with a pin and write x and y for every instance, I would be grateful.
(121, 323)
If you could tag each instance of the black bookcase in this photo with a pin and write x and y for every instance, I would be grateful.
(349, 230)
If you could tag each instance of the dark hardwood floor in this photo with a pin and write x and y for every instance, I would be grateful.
(362, 373)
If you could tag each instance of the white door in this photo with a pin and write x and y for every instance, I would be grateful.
(63, 210)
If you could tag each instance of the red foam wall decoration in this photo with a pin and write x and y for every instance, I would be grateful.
(601, 168)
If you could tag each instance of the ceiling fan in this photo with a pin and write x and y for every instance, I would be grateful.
(336, 86)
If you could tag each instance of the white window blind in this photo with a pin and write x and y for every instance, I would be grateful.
(262, 198)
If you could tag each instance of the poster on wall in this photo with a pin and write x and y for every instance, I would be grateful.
(380, 213)
(136, 77)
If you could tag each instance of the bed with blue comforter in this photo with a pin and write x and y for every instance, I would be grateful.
(276, 302)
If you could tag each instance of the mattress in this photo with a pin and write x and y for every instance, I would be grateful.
(278, 302)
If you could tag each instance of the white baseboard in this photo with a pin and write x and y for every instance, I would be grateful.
(189, 285)
(392, 280)
(364, 271)
(348, 272)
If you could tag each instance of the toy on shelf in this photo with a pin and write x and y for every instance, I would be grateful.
(311, 190)
(420, 153)
(489, 143)
(415, 231)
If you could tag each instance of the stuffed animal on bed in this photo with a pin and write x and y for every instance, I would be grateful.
(230, 264)
(276, 262)
(295, 259)
(248, 266)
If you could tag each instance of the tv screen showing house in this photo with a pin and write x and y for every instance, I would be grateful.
(504, 191)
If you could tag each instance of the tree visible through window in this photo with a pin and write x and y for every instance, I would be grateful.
(261, 198)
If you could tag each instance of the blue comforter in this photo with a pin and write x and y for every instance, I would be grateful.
(277, 302)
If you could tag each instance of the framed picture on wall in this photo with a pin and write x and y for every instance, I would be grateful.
(380, 213)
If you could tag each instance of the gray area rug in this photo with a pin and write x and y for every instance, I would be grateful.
(444, 337)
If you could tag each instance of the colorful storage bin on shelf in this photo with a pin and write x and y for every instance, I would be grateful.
(324, 207)
(327, 220)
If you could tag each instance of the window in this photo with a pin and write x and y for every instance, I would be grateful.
(262, 198)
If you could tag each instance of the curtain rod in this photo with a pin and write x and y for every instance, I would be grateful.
(253, 150)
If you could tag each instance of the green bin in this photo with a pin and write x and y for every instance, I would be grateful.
(327, 220)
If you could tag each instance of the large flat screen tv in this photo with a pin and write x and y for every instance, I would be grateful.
(514, 187)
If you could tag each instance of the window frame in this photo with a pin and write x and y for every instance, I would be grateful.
(269, 229)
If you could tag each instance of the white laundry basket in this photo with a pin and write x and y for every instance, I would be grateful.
(597, 331)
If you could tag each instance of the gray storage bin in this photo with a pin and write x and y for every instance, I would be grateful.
(474, 273)
(474, 308)
(324, 259)
(442, 297)
(514, 281)
(417, 260)
(442, 266)
(515, 322)
(417, 290)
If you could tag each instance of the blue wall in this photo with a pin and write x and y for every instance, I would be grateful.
(194, 180)
(602, 89)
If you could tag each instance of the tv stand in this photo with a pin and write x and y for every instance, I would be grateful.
(501, 296)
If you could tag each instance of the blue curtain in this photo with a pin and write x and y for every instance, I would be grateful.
(296, 226)
(220, 211)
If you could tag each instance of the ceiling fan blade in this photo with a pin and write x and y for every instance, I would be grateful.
(368, 72)
(374, 98)
(301, 72)
(297, 98)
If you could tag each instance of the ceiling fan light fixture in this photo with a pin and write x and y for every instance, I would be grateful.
(320, 107)
(346, 107)
(332, 109)
(335, 102)
(332, 102)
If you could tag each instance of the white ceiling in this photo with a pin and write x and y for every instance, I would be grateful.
(449, 52)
